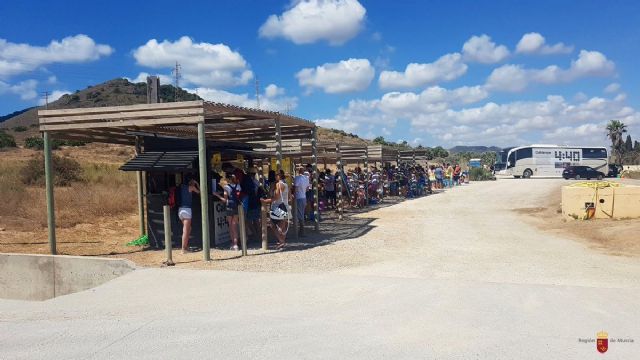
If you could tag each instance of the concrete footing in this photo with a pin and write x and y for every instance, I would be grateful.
(42, 277)
(619, 202)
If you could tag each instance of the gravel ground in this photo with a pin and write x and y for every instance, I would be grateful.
(472, 232)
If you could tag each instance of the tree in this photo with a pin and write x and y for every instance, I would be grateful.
(628, 145)
(440, 152)
(379, 140)
(615, 129)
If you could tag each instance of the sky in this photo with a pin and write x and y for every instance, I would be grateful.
(427, 72)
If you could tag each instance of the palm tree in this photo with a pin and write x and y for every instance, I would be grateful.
(615, 129)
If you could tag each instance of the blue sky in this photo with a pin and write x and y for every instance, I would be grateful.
(428, 72)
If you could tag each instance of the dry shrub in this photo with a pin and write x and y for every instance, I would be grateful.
(12, 191)
(105, 191)
(82, 204)
(65, 171)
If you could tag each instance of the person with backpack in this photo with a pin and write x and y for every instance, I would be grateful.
(231, 198)
(185, 214)
(280, 210)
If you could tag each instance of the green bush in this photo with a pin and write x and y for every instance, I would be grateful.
(480, 174)
(34, 143)
(37, 143)
(65, 170)
(20, 128)
(6, 140)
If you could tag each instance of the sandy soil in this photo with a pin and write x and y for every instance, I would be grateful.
(612, 236)
(408, 230)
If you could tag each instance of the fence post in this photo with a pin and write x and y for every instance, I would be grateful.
(243, 229)
(264, 218)
(51, 215)
(167, 235)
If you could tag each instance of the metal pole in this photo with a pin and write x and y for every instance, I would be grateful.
(339, 174)
(316, 196)
(204, 191)
(168, 246)
(243, 229)
(51, 216)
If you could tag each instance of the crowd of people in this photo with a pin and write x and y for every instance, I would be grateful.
(246, 189)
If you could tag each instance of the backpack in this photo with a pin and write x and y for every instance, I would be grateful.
(172, 198)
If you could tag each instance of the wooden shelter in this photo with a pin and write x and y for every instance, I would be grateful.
(201, 120)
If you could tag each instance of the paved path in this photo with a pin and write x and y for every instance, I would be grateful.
(467, 280)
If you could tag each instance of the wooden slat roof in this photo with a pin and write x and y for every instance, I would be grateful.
(223, 122)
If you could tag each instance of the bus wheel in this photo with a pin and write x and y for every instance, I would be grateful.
(527, 173)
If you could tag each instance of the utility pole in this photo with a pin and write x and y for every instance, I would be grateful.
(46, 99)
(176, 73)
(257, 93)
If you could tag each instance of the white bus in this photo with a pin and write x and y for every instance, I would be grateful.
(550, 160)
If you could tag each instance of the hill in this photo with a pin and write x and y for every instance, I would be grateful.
(111, 93)
(122, 92)
(473, 149)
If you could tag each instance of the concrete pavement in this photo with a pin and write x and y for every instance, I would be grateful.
(495, 291)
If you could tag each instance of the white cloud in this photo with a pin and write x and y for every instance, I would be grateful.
(516, 78)
(348, 126)
(272, 90)
(26, 89)
(22, 58)
(481, 49)
(446, 68)
(334, 78)
(444, 115)
(202, 64)
(308, 21)
(534, 43)
(612, 88)
(273, 102)
(52, 79)
(55, 95)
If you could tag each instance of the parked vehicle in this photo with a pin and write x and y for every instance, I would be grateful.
(581, 172)
(550, 160)
(614, 171)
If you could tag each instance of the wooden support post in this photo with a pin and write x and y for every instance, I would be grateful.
(204, 192)
(243, 229)
(314, 163)
(366, 176)
(278, 145)
(294, 205)
(264, 218)
(51, 216)
(140, 184)
(340, 178)
(168, 246)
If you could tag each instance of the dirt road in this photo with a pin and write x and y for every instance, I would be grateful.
(455, 275)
